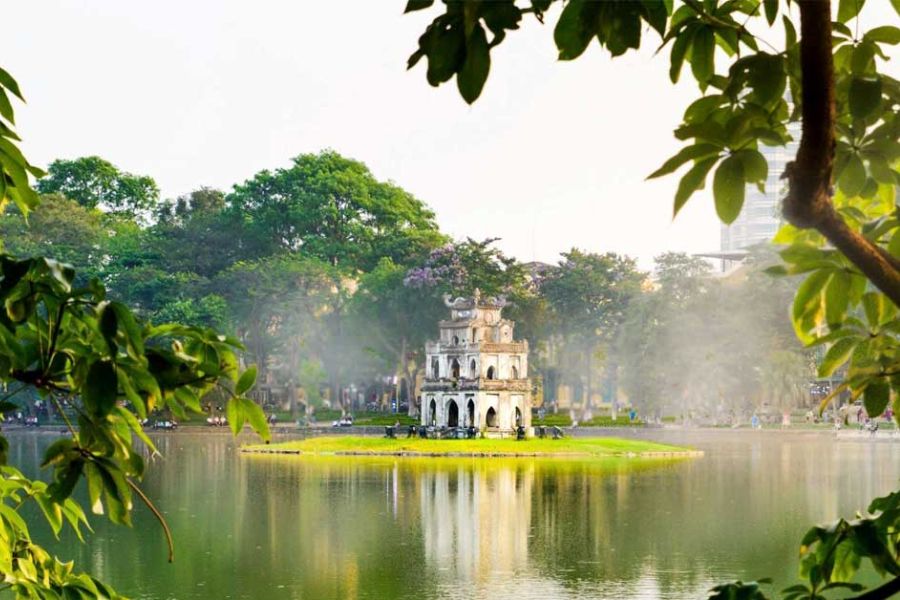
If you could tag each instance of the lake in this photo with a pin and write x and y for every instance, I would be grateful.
(378, 528)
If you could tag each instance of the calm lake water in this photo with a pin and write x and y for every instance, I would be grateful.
(342, 528)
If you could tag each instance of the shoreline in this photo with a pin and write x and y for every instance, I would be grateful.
(596, 447)
(473, 454)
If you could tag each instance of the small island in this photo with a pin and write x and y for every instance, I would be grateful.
(345, 445)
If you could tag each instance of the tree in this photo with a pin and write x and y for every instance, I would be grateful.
(333, 209)
(844, 242)
(96, 183)
(74, 346)
(587, 295)
(60, 227)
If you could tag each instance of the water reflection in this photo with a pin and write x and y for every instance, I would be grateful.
(346, 528)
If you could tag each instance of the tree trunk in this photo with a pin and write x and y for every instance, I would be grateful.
(808, 202)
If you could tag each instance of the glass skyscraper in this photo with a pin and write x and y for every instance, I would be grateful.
(761, 216)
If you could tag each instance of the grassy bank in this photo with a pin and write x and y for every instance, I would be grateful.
(349, 445)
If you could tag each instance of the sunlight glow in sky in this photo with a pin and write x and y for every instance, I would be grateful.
(552, 156)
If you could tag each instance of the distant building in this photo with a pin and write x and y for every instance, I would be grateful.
(476, 373)
(761, 218)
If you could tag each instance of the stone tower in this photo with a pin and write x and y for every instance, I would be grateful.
(476, 373)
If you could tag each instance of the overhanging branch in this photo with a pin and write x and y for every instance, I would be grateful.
(808, 203)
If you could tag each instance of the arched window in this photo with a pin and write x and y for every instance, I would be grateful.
(490, 373)
(435, 369)
(473, 369)
(514, 373)
(432, 413)
(474, 335)
(452, 414)
(456, 340)
(470, 413)
(518, 417)
(491, 417)
(454, 369)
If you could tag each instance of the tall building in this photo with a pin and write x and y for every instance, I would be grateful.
(477, 372)
(761, 218)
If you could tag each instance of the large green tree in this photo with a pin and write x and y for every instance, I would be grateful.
(847, 109)
(333, 208)
(96, 183)
(587, 295)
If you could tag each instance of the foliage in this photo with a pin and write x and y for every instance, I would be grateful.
(586, 297)
(697, 345)
(96, 183)
(90, 357)
(846, 244)
(335, 210)
(466, 266)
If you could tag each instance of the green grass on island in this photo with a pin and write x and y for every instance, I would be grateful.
(344, 445)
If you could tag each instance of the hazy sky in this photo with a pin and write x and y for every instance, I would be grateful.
(552, 156)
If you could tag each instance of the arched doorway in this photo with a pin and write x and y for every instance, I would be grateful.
(473, 369)
(518, 417)
(435, 369)
(454, 369)
(491, 417)
(515, 373)
(490, 373)
(452, 414)
(432, 413)
(470, 413)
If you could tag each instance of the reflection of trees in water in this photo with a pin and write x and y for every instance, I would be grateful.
(380, 528)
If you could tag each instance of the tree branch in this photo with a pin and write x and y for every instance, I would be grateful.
(808, 203)
(884, 591)
(157, 514)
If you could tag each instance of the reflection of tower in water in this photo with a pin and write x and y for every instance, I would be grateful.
(476, 519)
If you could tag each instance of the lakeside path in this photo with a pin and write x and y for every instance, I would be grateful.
(346, 445)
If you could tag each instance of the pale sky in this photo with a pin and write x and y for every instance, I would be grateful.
(553, 155)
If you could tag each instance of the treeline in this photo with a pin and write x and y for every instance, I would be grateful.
(333, 280)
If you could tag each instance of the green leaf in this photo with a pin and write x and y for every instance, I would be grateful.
(474, 72)
(234, 413)
(865, 96)
(756, 168)
(413, 5)
(728, 189)
(575, 28)
(847, 9)
(257, 418)
(874, 307)
(703, 55)
(6, 109)
(771, 8)
(837, 355)
(790, 32)
(56, 452)
(846, 562)
(853, 176)
(109, 327)
(685, 154)
(446, 51)
(837, 298)
(679, 51)
(692, 181)
(52, 512)
(248, 378)
(100, 388)
(808, 302)
(7, 81)
(876, 397)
